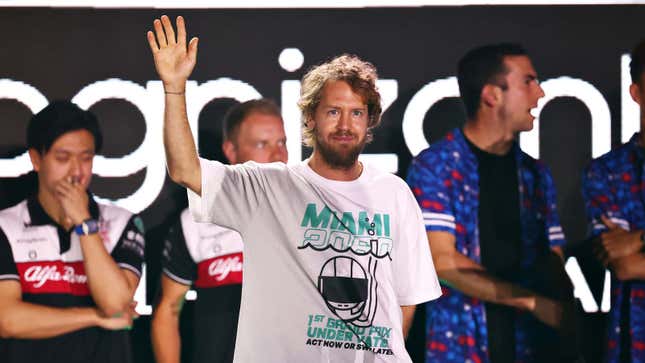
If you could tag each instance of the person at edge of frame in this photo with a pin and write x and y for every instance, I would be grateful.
(613, 191)
(491, 219)
(308, 293)
(209, 257)
(69, 266)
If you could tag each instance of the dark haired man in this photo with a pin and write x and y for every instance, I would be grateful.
(68, 266)
(614, 194)
(490, 216)
(209, 256)
(335, 253)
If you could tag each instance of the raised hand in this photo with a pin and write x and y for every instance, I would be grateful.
(173, 60)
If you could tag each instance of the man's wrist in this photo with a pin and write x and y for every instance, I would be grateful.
(87, 227)
(79, 218)
(178, 88)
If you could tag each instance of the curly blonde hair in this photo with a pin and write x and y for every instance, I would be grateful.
(361, 77)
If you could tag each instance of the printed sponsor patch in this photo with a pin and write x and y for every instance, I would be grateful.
(53, 277)
(220, 271)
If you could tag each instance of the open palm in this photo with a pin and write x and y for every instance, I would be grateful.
(173, 60)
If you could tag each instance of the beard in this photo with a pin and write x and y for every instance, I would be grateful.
(339, 156)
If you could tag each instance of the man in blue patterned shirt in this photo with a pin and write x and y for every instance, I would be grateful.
(490, 214)
(613, 188)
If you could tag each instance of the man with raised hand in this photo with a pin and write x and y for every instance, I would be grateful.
(490, 214)
(69, 266)
(209, 256)
(335, 253)
(613, 189)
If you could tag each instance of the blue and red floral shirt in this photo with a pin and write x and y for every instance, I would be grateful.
(445, 181)
(613, 186)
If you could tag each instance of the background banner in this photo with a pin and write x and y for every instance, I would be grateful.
(100, 59)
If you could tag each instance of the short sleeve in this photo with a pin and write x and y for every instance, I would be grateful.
(432, 193)
(129, 250)
(8, 270)
(176, 261)
(230, 194)
(415, 276)
(599, 200)
(554, 228)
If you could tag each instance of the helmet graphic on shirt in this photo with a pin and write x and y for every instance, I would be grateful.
(348, 290)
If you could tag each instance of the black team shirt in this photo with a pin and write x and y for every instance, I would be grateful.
(500, 242)
(47, 262)
(215, 270)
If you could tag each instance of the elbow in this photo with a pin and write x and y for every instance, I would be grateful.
(442, 274)
(185, 179)
(109, 312)
(184, 174)
(7, 326)
(447, 277)
(445, 268)
(177, 176)
(114, 308)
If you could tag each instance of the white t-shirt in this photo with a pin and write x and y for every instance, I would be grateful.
(327, 263)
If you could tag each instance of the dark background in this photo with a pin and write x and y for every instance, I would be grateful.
(59, 51)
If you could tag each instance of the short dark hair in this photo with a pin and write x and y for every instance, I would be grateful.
(58, 118)
(637, 64)
(481, 66)
(236, 114)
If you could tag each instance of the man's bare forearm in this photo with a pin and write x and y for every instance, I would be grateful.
(107, 282)
(166, 341)
(473, 280)
(30, 321)
(181, 153)
(407, 312)
(174, 62)
(469, 277)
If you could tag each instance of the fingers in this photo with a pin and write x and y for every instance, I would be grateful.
(63, 188)
(152, 42)
(607, 222)
(192, 49)
(601, 254)
(170, 32)
(181, 30)
(69, 185)
(161, 36)
(74, 180)
(133, 310)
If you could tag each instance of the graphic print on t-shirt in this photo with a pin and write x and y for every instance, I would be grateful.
(348, 290)
(348, 287)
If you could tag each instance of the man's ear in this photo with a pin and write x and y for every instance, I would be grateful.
(310, 123)
(229, 151)
(635, 92)
(491, 95)
(35, 158)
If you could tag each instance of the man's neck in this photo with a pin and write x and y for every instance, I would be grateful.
(52, 207)
(322, 168)
(491, 137)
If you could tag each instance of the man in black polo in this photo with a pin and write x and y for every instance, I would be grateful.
(68, 265)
